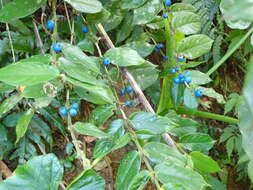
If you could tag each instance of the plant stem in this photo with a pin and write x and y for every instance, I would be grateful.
(183, 110)
(230, 52)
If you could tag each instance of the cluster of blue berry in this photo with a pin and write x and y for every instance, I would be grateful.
(127, 90)
(72, 111)
(57, 47)
(158, 47)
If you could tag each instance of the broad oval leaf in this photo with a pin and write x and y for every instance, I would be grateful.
(204, 163)
(195, 46)
(128, 168)
(44, 172)
(27, 73)
(210, 92)
(87, 180)
(186, 22)
(101, 114)
(178, 7)
(124, 57)
(9, 103)
(19, 9)
(199, 78)
(132, 4)
(140, 180)
(86, 6)
(190, 100)
(90, 130)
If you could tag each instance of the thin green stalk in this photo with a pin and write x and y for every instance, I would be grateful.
(166, 97)
(183, 110)
(230, 52)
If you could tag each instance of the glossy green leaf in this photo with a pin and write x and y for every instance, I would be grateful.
(27, 73)
(44, 172)
(210, 92)
(204, 163)
(101, 114)
(147, 12)
(19, 9)
(87, 180)
(128, 168)
(159, 153)
(89, 129)
(173, 186)
(197, 142)
(93, 93)
(6, 88)
(86, 45)
(178, 7)
(186, 177)
(126, 28)
(9, 103)
(199, 78)
(23, 123)
(195, 46)
(124, 57)
(35, 91)
(93, 6)
(143, 48)
(140, 180)
(186, 22)
(190, 100)
(143, 121)
(132, 4)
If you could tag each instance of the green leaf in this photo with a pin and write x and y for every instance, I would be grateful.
(87, 180)
(147, 12)
(35, 91)
(126, 28)
(143, 48)
(179, 7)
(230, 145)
(199, 78)
(124, 57)
(186, 22)
(190, 101)
(89, 129)
(197, 142)
(128, 168)
(140, 180)
(145, 74)
(148, 122)
(186, 177)
(159, 153)
(101, 114)
(9, 103)
(210, 92)
(204, 163)
(75, 55)
(44, 172)
(86, 45)
(93, 6)
(23, 123)
(195, 46)
(132, 4)
(19, 8)
(6, 88)
(27, 73)
(93, 93)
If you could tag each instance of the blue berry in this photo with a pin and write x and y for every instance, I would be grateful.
(128, 103)
(156, 49)
(173, 71)
(129, 89)
(198, 93)
(165, 58)
(50, 25)
(106, 61)
(165, 16)
(75, 106)
(177, 80)
(57, 47)
(72, 112)
(181, 75)
(188, 80)
(187, 74)
(177, 69)
(63, 111)
(85, 29)
(167, 3)
(160, 46)
(122, 91)
(180, 59)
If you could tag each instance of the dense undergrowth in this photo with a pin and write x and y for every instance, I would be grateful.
(126, 94)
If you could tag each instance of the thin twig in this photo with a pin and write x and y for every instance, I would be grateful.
(135, 85)
(38, 38)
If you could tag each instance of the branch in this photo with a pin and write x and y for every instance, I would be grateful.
(134, 84)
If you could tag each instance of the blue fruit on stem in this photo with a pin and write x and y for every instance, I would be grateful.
(63, 111)
(56, 47)
(173, 71)
(122, 91)
(167, 3)
(188, 80)
(165, 58)
(75, 106)
(128, 103)
(180, 59)
(106, 61)
(165, 16)
(177, 80)
(160, 46)
(129, 89)
(75, 17)
(177, 69)
(72, 112)
(198, 93)
(50, 25)
(181, 75)
(156, 49)
(187, 74)
(85, 29)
